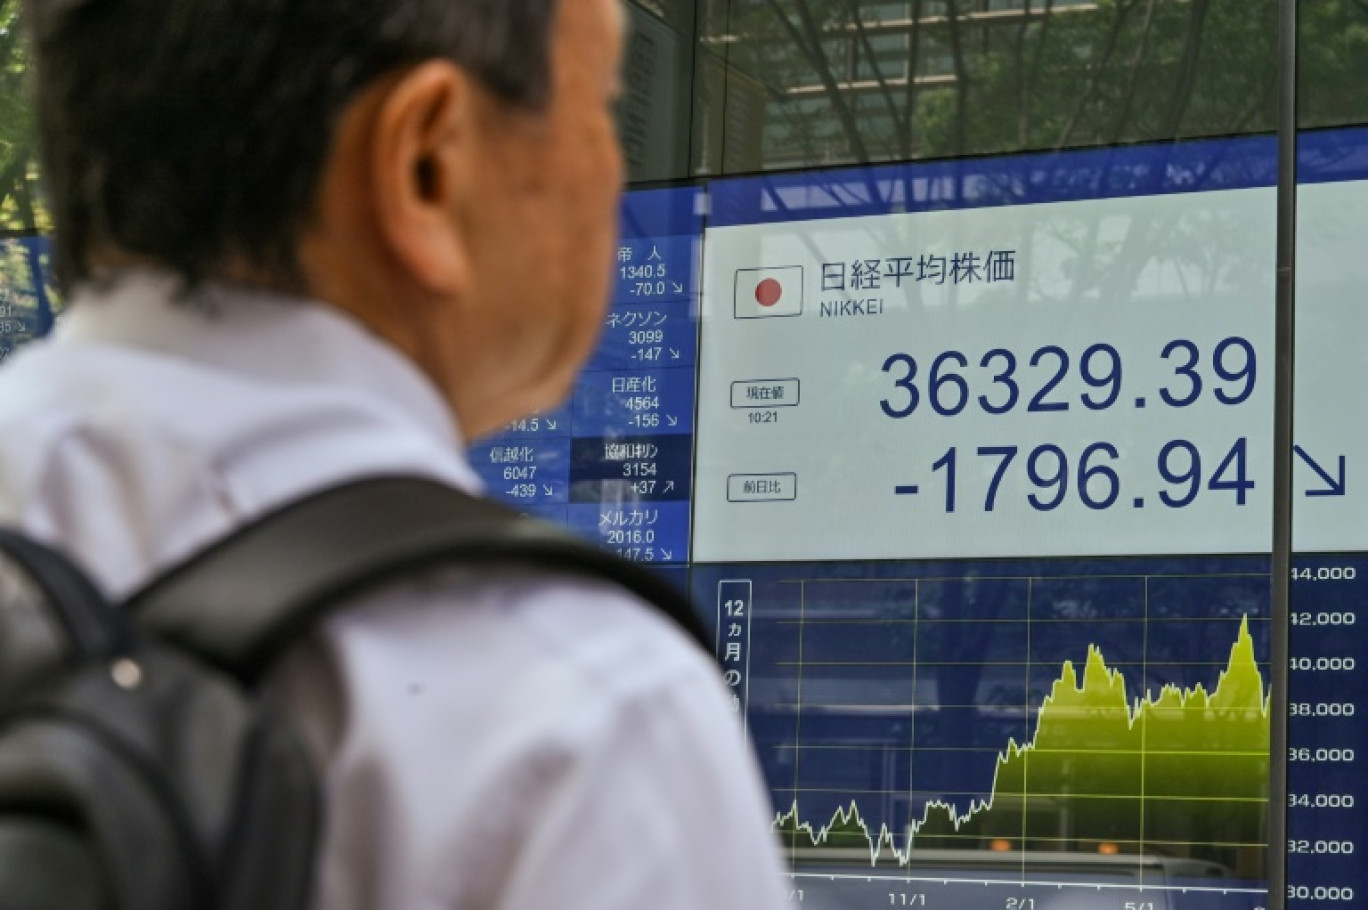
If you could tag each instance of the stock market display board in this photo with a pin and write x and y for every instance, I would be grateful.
(970, 465)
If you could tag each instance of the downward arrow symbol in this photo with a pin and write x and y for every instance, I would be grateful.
(1334, 486)
(551, 424)
(674, 354)
(667, 555)
(548, 489)
(672, 421)
(678, 288)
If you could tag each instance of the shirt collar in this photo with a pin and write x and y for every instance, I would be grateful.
(255, 333)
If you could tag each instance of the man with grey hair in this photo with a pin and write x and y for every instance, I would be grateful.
(309, 241)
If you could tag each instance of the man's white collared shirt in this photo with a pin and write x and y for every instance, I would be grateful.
(487, 741)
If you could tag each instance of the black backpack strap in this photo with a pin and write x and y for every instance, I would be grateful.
(243, 601)
(91, 627)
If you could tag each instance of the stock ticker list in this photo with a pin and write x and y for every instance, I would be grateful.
(614, 463)
(26, 304)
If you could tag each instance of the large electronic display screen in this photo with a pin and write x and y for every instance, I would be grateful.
(970, 464)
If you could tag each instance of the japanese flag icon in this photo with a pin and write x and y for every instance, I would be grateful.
(764, 293)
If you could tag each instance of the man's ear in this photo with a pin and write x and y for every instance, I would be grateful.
(422, 163)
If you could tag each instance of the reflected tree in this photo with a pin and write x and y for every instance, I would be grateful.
(21, 206)
(1334, 63)
(856, 81)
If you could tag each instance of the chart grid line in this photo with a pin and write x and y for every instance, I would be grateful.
(912, 723)
(798, 716)
(1144, 722)
(1026, 759)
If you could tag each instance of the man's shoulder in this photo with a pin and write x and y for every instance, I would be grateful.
(50, 401)
(30, 382)
(84, 388)
(613, 639)
(481, 713)
(545, 632)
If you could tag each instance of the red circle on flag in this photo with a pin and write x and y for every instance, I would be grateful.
(769, 292)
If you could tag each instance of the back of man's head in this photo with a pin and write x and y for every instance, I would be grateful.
(192, 133)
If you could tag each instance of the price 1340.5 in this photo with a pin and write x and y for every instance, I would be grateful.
(1093, 477)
